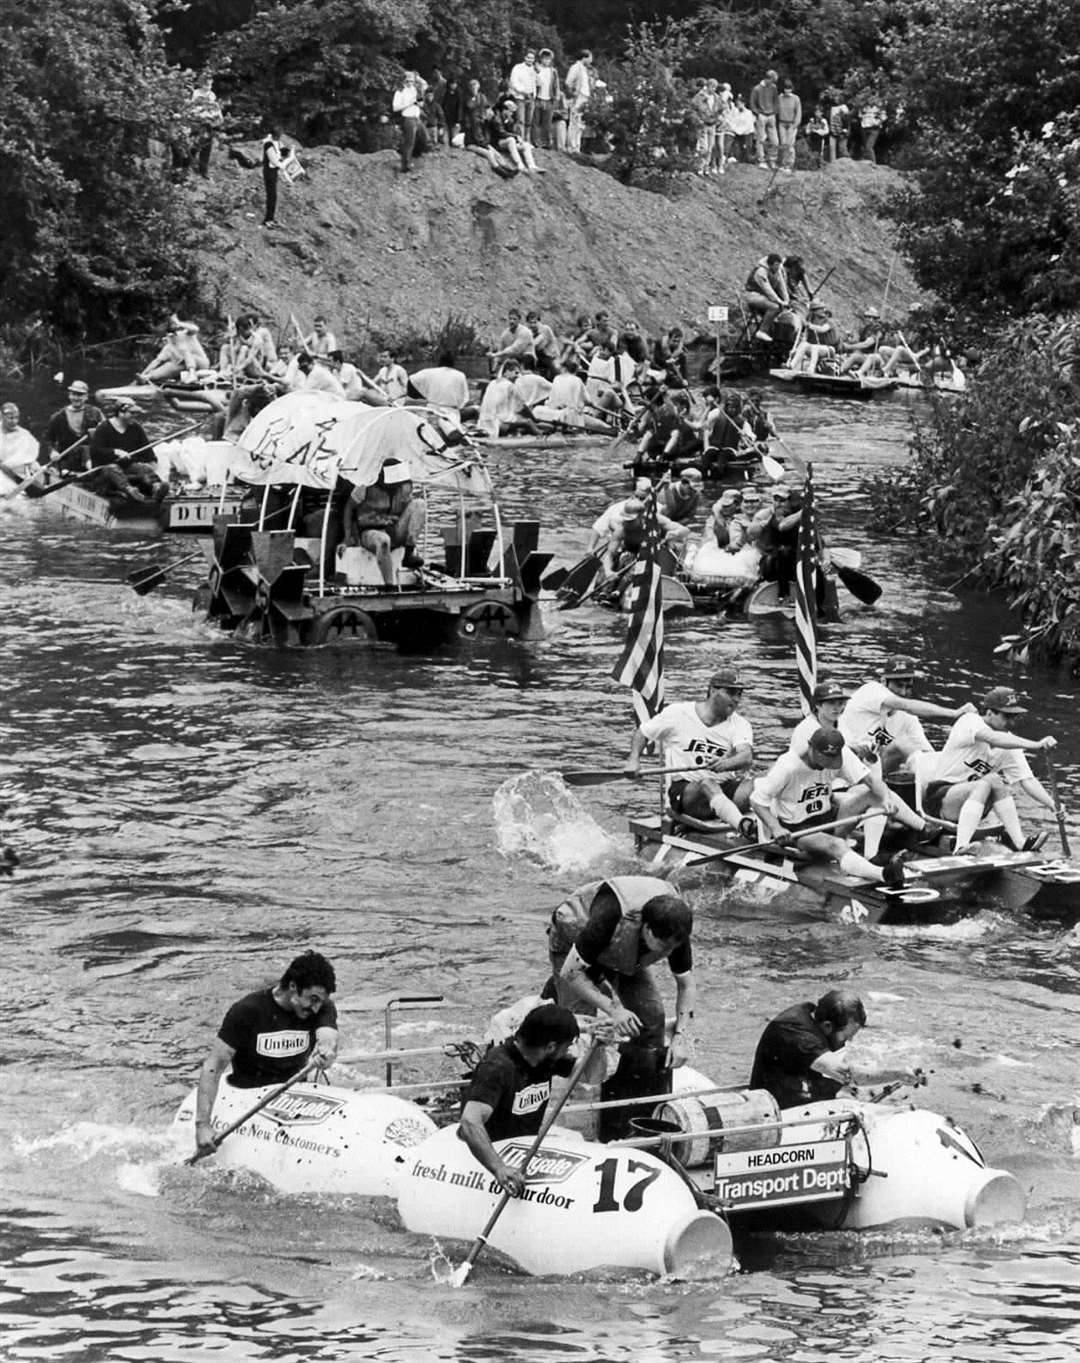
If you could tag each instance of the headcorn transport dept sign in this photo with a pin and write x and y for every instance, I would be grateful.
(812, 1172)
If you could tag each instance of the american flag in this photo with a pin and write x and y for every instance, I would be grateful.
(806, 571)
(641, 666)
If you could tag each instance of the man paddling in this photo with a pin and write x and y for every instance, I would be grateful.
(796, 795)
(603, 942)
(709, 734)
(66, 426)
(979, 764)
(800, 1056)
(881, 718)
(270, 1035)
(510, 1087)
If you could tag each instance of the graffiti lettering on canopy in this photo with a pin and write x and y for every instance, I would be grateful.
(810, 1172)
(317, 455)
(546, 1166)
(302, 1109)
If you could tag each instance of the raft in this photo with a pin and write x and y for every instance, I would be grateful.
(586, 1206)
(182, 397)
(939, 888)
(834, 385)
(314, 1138)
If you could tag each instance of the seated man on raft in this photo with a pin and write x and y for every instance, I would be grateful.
(385, 517)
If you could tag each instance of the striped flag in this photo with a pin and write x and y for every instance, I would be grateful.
(641, 666)
(806, 571)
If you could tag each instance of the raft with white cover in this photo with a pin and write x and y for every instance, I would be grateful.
(314, 1138)
(586, 1206)
(712, 566)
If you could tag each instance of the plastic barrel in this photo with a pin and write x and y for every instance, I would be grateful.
(704, 1120)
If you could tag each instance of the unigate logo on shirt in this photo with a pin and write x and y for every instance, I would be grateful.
(274, 1045)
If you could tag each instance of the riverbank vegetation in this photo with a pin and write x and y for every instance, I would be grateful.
(989, 223)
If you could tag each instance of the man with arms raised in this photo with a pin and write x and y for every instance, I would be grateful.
(270, 1035)
(512, 1084)
(800, 1057)
(881, 718)
(709, 734)
(796, 795)
(604, 941)
(980, 761)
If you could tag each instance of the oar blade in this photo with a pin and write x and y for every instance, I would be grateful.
(859, 584)
(460, 1275)
(555, 579)
(146, 579)
(579, 581)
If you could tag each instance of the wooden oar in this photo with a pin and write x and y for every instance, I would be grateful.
(1051, 777)
(578, 581)
(461, 1273)
(263, 1102)
(852, 822)
(599, 778)
(33, 477)
(144, 580)
(172, 435)
(858, 583)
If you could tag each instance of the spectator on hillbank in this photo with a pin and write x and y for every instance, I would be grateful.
(579, 87)
(272, 158)
(871, 121)
(521, 83)
(548, 92)
(743, 127)
(501, 127)
(817, 136)
(408, 106)
(763, 99)
(206, 121)
(839, 128)
(788, 119)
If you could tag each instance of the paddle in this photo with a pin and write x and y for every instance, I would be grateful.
(263, 1102)
(461, 1274)
(172, 435)
(858, 583)
(791, 837)
(554, 580)
(578, 581)
(599, 778)
(1051, 776)
(144, 580)
(824, 281)
(41, 469)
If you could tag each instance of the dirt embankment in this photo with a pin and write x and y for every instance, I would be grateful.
(401, 254)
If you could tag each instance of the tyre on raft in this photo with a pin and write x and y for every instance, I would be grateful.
(344, 625)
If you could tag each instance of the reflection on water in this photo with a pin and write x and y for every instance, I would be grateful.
(191, 812)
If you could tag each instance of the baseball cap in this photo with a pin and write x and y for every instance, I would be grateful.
(902, 667)
(828, 691)
(78, 386)
(692, 475)
(751, 493)
(1005, 700)
(729, 497)
(727, 678)
(828, 744)
(871, 312)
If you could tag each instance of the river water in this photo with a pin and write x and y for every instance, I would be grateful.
(191, 813)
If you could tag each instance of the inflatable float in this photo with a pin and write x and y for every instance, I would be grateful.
(315, 1138)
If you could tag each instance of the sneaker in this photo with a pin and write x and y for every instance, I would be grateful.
(763, 336)
(892, 873)
(732, 160)
(411, 559)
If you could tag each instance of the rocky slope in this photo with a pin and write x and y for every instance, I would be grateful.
(399, 255)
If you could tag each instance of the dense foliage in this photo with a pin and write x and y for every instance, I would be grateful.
(89, 231)
(978, 80)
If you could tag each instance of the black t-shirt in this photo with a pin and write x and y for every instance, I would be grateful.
(788, 1047)
(604, 917)
(107, 442)
(271, 1044)
(514, 1090)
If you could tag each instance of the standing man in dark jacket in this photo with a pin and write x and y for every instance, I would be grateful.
(763, 98)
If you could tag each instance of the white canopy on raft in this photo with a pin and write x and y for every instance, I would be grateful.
(311, 440)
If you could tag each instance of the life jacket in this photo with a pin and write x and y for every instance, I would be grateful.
(623, 953)
(752, 285)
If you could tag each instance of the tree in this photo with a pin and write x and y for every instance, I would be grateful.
(974, 76)
(91, 231)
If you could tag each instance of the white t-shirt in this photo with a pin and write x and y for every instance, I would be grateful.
(967, 758)
(320, 380)
(349, 378)
(607, 523)
(532, 388)
(18, 451)
(442, 386)
(522, 80)
(393, 380)
(501, 402)
(688, 741)
(567, 391)
(868, 721)
(796, 792)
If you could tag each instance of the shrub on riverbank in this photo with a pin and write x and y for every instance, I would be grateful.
(996, 477)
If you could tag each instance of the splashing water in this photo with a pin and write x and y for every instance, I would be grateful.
(538, 816)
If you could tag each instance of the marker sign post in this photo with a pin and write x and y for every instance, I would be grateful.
(719, 315)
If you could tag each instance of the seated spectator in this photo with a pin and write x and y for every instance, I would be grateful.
(472, 115)
(817, 136)
(501, 126)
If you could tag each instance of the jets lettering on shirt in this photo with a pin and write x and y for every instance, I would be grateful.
(880, 737)
(277, 1044)
(978, 766)
(815, 798)
(704, 752)
(529, 1099)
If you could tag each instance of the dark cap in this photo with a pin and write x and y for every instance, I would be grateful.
(1005, 700)
(828, 744)
(828, 691)
(549, 1022)
(902, 667)
(727, 678)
